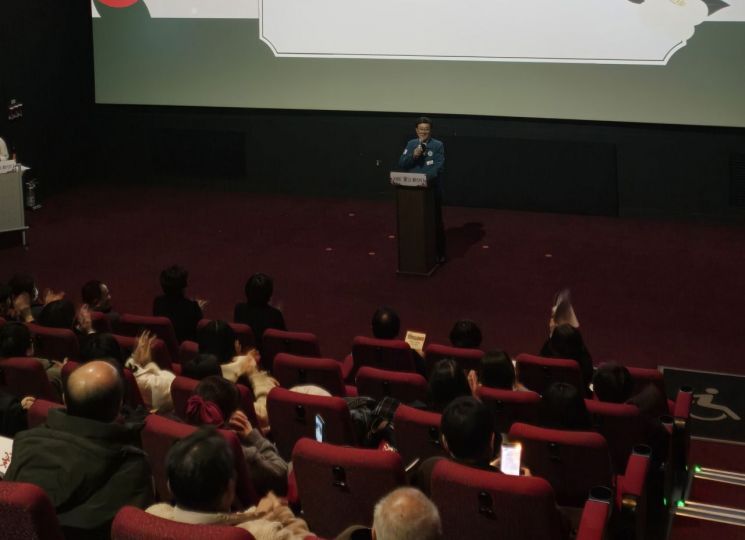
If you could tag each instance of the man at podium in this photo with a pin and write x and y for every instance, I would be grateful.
(427, 155)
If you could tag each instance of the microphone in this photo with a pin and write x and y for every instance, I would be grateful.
(423, 146)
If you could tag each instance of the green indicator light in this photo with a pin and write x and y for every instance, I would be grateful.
(680, 504)
(697, 468)
(664, 501)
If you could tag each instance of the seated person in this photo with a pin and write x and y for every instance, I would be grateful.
(183, 312)
(218, 339)
(201, 366)
(256, 311)
(216, 402)
(387, 325)
(24, 290)
(6, 302)
(563, 407)
(153, 383)
(496, 370)
(201, 476)
(465, 335)
(13, 413)
(96, 296)
(16, 342)
(84, 459)
(467, 434)
(61, 314)
(405, 513)
(566, 342)
(612, 383)
(446, 382)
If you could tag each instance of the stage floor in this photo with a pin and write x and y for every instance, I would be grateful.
(647, 293)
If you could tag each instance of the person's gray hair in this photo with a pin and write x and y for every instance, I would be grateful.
(406, 514)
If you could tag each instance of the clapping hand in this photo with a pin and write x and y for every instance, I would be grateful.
(239, 423)
(142, 354)
(52, 296)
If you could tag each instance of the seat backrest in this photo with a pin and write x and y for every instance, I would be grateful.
(467, 359)
(538, 372)
(339, 486)
(621, 425)
(510, 406)
(159, 351)
(132, 394)
(26, 377)
(131, 523)
(54, 343)
(493, 505)
(26, 512)
(182, 388)
(644, 376)
(390, 354)
(379, 383)
(280, 341)
(160, 433)
(417, 433)
(38, 412)
(243, 333)
(292, 417)
(134, 325)
(291, 370)
(573, 462)
(100, 322)
(187, 351)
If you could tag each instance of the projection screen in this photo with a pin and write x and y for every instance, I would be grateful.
(657, 61)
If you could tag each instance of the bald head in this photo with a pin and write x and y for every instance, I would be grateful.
(94, 391)
(406, 514)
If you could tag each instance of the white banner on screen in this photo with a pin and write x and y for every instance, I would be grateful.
(582, 31)
(199, 9)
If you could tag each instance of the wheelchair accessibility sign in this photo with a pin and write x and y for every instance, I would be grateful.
(718, 406)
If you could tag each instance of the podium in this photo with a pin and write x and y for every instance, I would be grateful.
(12, 217)
(415, 224)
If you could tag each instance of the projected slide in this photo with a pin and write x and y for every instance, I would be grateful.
(577, 31)
(661, 61)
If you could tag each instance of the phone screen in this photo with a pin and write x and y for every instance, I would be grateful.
(319, 428)
(510, 459)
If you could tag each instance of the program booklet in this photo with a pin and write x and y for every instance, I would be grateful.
(415, 340)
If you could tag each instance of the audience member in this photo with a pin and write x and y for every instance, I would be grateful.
(467, 434)
(23, 288)
(563, 407)
(496, 370)
(16, 342)
(201, 366)
(6, 302)
(201, 476)
(96, 295)
(218, 338)
(216, 402)
(566, 342)
(86, 461)
(13, 413)
(385, 323)
(446, 382)
(465, 335)
(404, 514)
(183, 312)
(153, 382)
(612, 383)
(256, 311)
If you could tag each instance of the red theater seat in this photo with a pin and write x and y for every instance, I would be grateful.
(132, 523)
(339, 486)
(292, 417)
(27, 513)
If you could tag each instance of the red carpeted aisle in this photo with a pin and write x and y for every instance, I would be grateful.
(646, 292)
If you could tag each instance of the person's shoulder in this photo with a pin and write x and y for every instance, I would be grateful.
(436, 143)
